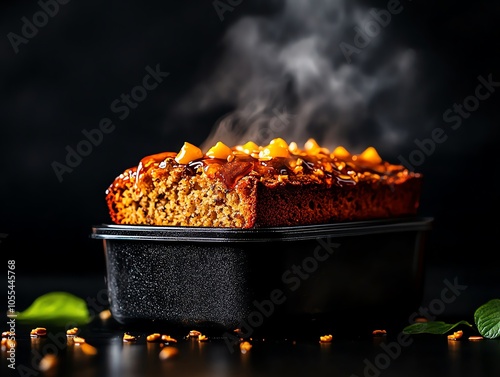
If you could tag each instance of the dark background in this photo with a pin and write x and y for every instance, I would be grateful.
(63, 80)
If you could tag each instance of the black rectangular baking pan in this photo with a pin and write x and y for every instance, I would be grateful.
(331, 276)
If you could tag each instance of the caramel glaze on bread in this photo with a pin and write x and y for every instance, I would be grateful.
(251, 186)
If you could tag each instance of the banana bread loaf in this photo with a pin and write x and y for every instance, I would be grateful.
(251, 186)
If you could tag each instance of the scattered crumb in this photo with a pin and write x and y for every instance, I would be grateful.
(325, 338)
(194, 334)
(88, 349)
(105, 314)
(6, 334)
(168, 352)
(78, 340)
(154, 337)
(38, 331)
(8, 344)
(421, 320)
(475, 338)
(129, 338)
(456, 335)
(168, 338)
(72, 332)
(245, 346)
(48, 362)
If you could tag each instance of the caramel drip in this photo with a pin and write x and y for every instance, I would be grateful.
(148, 162)
(231, 172)
(324, 167)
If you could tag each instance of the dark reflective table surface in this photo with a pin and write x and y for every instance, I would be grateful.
(109, 355)
(353, 351)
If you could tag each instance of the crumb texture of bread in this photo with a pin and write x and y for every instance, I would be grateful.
(170, 197)
(250, 186)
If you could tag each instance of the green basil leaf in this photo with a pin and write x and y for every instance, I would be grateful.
(432, 327)
(487, 318)
(56, 307)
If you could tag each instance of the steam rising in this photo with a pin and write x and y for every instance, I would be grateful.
(286, 76)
